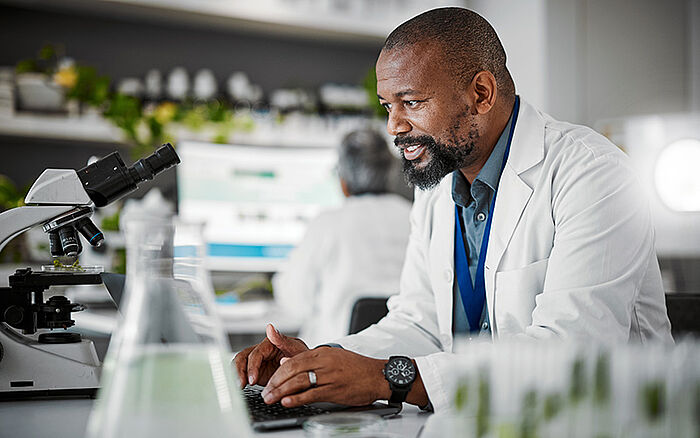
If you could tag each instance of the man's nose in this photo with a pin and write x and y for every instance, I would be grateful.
(396, 124)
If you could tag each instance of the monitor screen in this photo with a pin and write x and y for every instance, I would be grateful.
(255, 201)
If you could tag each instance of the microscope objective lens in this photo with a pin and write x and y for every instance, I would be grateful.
(69, 241)
(55, 244)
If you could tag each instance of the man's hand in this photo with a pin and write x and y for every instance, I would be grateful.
(342, 377)
(258, 363)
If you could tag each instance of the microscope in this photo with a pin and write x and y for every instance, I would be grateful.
(35, 358)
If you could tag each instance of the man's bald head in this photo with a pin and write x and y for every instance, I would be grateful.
(468, 41)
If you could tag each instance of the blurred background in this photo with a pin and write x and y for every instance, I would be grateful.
(257, 95)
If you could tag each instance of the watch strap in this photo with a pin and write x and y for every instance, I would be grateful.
(398, 395)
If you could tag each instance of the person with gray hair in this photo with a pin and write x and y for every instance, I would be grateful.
(364, 162)
(354, 251)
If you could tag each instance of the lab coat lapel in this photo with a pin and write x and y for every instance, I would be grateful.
(442, 258)
(526, 150)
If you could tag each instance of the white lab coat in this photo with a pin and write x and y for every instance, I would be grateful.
(354, 251)
(571, 255)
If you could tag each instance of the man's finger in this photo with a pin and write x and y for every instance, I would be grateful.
(312, 395)
(261, 352)
(301, 363)
(241, 364)
(298, 383)
(278, 339)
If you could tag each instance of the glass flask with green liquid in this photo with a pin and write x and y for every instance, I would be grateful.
(168, 368)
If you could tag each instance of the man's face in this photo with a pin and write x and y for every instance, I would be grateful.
(429, 113)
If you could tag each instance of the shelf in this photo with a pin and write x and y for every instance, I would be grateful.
(86, 128)
(368, 21)
(296, 131)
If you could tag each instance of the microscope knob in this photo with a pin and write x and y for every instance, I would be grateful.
(14, 315)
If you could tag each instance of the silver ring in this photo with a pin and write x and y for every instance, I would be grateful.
(312, 378)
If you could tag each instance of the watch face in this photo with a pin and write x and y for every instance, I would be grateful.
(400, 371)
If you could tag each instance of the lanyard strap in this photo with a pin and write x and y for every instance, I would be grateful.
(473, 297)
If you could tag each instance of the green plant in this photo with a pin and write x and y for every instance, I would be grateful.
(10, 197)
(577, 390)
(552, 406)
(528, 425)
(370, 86)
(44, 62)
(110, 223)
(461, 396)
(483, 410)
(653, 396)
(601, 388)
(143, 127)
(89, 87)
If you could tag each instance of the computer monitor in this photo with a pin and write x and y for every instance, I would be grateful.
(255, 201)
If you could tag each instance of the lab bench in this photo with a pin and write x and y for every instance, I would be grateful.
(67, 418)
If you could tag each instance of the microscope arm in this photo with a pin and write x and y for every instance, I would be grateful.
(18, 220)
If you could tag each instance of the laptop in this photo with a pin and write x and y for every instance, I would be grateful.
(275, 416)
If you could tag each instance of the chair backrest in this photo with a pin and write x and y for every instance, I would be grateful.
(366, 312)
(684, 312)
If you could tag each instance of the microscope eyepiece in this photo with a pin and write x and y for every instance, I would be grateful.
(108, 179)
(162, 159)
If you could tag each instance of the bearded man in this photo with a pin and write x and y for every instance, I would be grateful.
(522, 227)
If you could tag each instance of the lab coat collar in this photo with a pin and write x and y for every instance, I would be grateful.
(527, 146)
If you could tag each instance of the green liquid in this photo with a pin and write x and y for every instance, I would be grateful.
(162, 390)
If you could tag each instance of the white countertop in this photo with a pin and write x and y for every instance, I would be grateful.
(68, 419)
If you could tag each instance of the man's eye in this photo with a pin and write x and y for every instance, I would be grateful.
(412, 103)
(387, 106)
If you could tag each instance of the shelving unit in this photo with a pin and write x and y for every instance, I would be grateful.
(58, 127)
(307, 131)
(344, 20)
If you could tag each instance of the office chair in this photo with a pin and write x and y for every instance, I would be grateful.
(684, 312)
(365, 312)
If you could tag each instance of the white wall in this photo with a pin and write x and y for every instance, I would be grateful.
(636, 57)
(565, 79)
(694, 53)
(587, 60)
(521, 25)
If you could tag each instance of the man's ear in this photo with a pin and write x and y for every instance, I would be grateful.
(485, 89)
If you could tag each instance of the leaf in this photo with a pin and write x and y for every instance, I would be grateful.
(577, 390)
(47, 52)
(26, 66)
(461, 397)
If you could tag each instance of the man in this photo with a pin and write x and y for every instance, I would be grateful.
(535, 227)
(354, 251)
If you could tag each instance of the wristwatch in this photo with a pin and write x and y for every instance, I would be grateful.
(400, 372)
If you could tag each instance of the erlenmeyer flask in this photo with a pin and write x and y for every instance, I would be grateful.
(167, 371)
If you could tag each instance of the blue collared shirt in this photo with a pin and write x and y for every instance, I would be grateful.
(475, 203)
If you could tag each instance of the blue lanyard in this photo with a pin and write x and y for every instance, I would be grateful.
(473, 297)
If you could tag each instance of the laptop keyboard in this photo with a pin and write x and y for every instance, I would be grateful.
(260, 411)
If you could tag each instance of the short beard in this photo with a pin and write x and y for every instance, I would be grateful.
(443, 159)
